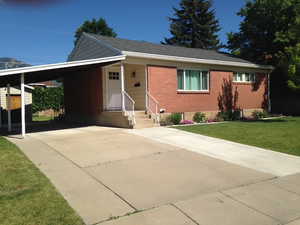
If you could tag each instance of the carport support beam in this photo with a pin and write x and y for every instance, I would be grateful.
(123, 86)
(0, 110)
(8, 108)
(23, 105)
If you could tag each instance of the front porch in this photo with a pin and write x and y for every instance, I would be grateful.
(113, 95)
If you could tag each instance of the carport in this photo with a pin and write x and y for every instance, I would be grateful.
(22, 76)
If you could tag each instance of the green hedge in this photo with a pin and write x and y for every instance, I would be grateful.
(47, 98)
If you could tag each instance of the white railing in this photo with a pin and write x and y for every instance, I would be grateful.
(152, 107)
(129, 107)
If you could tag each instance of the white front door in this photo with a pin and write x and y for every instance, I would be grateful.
(114, 97)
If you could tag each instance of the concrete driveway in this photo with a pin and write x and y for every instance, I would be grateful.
(114, 176)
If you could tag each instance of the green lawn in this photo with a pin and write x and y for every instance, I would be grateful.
(26, 195)
(36, 118)
(282, 135)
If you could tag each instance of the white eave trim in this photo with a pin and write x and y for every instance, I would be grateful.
(194, 60)
(29, 87)
(60, 65)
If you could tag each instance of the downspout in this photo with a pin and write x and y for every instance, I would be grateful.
(23, 105)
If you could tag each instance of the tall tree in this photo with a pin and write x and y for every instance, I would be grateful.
(266, 30)
(270, 34)
(290, 57)
(96, 27)
(194, 25)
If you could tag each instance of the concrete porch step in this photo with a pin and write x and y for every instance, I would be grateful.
(143, 121)
(141, 126)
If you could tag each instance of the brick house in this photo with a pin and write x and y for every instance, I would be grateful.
(125, 83)
(159, 78)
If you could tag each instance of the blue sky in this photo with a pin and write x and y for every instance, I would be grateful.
(44, 34)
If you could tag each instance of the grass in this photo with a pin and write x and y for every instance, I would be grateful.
(37, 118)
(282, 135)
(26, 195)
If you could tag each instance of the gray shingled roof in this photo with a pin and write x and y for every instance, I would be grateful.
(159, 49)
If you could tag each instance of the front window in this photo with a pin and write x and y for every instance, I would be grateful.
(244, 77)
(192, 80)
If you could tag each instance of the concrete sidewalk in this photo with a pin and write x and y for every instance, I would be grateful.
(267, 161)
(113, 177)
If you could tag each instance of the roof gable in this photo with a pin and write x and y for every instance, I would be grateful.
(168, 50)
(90, 48)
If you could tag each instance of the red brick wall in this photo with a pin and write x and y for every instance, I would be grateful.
(83, 93)
(162, 84)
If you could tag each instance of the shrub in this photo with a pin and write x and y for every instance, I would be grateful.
(259, 114)
(166, 121)
(47, 98)
(223, 116)
(229, 115)
(175, 118)
(236, 115)
(187, 122)
(199, 117)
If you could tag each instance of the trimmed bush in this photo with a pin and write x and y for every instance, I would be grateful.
(259, 114)
(47, 98)
(165, 121)
(175, 118)
(199, 117)
(229, 115)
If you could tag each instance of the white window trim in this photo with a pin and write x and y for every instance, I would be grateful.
(184, 79)
(244, 77)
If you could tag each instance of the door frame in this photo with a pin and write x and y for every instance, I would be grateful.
(106, 72)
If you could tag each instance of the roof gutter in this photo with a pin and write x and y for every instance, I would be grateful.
(60, 65)
(194, 60)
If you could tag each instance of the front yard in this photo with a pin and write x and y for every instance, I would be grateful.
(36, 118)
(282, 135)
(26, 195)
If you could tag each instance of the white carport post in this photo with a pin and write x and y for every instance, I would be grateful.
(0, 109)
(123, 86)
(8, 108)
(23, 105)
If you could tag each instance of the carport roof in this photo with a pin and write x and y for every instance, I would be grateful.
(47, 72)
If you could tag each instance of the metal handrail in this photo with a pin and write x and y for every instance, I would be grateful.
(129, 97)
(148, 93)
(129, 112)
(156, 113)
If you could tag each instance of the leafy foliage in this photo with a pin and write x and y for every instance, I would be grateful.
(199, 117)
(290, 57)
(194, 25)
(47, 98)
(270, 34)
(259, 114)
(265, 30)
(95, 27)
(175, 118)
(229, 115)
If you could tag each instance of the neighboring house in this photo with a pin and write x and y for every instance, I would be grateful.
(15, 97)
(160, 80)
(15, 104)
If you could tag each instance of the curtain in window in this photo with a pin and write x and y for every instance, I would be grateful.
(204, 80)
(192, 80)
(180, 80)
